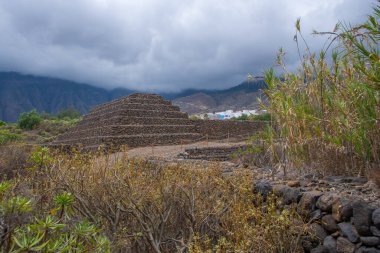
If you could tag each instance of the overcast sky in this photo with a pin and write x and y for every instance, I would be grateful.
(165, 45)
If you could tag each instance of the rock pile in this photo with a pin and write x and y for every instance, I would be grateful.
(339, 221)
(133, 121)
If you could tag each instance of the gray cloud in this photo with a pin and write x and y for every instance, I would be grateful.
(160, 45)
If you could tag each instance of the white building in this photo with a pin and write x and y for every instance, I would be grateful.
(229, 114)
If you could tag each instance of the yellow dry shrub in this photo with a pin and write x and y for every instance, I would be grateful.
(153, 207)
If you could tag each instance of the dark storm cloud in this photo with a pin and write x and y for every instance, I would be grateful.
(160, 45)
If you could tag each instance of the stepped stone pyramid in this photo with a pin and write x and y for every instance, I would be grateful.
(133, 121)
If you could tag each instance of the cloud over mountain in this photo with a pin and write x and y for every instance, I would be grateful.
(160, 45)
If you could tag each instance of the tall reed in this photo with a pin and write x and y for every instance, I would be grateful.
(326, 115)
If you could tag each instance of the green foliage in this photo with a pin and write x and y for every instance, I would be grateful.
(69, 114)
(64, 202)
(331, 104)
(29, 229)
(17, 204)
(242, 117)
(29, 120)
(4, 187)
(7, 136)
(28, 241)
(261, 117)
(40, 157)
(46, 115)
(2, 123)
(194, 117)
(50, 235)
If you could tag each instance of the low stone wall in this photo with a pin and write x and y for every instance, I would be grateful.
(138, 121)
(212, 153)
(338, 222)
(136, 113)
(134, 106)
(91, 132)
(122, 130)
(134, 98)
(131, 141)
(221, 129)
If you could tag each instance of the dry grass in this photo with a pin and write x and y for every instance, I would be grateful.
(327, 114)
(375, 176)
(145, 207)
(14, 159)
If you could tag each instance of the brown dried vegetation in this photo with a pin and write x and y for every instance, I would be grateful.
(14, 159)
(326, 115)
(145, 207)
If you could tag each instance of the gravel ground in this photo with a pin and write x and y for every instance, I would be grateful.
(170, 152)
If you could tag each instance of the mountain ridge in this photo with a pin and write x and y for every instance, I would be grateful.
(21, 92)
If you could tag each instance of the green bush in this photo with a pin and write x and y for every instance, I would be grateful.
(2, 123)
(242, 117)
(194, 117)
(28, 229)
(29, 120)
(7, 136)
(46, 115)
(261, 117)
(69, 114)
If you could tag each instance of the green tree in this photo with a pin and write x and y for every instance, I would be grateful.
(29, 120)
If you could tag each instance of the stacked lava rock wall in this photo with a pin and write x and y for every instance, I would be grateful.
(143, 120)
(220, 129)
(133, 121)
(339, 221)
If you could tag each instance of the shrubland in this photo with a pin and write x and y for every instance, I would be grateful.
(17, 143)
(325, 116)
(28, 227)
(259, 117)
(37, 128)
(100, 203)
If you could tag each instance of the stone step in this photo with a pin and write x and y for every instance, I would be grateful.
(134, 106)
(131, 141)
(146, 96)
(137, 113)
(212, 153)
(208, 158)
(214, 150)
(118, 120)
(114, 130)
(130, 99)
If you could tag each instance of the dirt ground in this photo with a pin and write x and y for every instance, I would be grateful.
(173, 151)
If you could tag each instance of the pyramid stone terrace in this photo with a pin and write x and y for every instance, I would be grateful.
(133, 121)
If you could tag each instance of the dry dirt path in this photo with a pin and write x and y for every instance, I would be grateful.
(173, 151)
